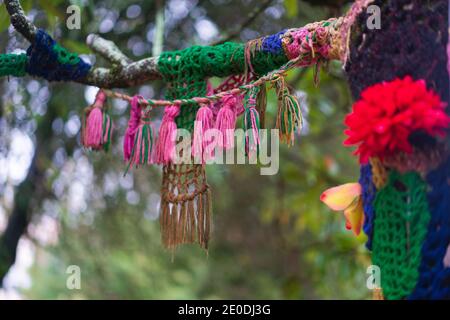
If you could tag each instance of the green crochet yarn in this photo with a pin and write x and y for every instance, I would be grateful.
(13, 64)
(65, 56)
(400, 228)
(186, 71)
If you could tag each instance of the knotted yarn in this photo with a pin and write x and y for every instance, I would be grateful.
(434, 271)
(50, 61)
(400, 227)
(315, 42)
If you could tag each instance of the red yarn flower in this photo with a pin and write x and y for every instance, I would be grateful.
(387, 114)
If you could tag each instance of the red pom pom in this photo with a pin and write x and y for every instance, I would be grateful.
(387, 114)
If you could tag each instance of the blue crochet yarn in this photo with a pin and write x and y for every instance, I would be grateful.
(434, 279)
(368, 196)
(272, 44)
(43, 61)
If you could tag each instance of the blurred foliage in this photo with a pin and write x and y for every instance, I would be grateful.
(272, 237)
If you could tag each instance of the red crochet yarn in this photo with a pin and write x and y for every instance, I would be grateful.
(387, 114)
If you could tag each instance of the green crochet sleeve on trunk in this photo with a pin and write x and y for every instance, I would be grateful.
(402, 217)
(186, 71)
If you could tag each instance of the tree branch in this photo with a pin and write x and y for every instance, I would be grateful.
(107, 49)
(124, 73)
(19, 19)
(133, 74)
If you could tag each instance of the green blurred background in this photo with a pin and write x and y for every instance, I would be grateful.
(272, 237)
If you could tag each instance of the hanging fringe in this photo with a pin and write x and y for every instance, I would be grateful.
(143, 142)
(165, 147)
(226, 122)
(289, 116)
(251, 47)
(261, 105)
(251, 122)
(203, 123)
(133, 123)
(185, 206)
(97, 128)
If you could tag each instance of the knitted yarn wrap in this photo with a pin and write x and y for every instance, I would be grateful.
(368, 196)
(434, 277)
(50, 61)
(400, 227)
(186, 71)
(13, 64)
(421, 53)
(273, 44)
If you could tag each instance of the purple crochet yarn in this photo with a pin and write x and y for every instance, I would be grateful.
(272, 44)
(368, 196)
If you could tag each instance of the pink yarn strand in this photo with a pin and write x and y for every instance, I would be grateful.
(133, 124)
(203, 123)
(94, 129)
(165, 146)
(226, 122)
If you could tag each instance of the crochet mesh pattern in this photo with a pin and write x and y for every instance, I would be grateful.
(186, 71)
(368, 196)
(50, 61)
(13, 64)
(434, 280)
(400, 227)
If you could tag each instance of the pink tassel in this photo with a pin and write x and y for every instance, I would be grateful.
(226, 122)
(133, 123)
(94, 129)
(143, 142)
(97, 127)
(203, 123)
(165, 146)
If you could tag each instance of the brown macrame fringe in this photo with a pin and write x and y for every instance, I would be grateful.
(185, 206)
